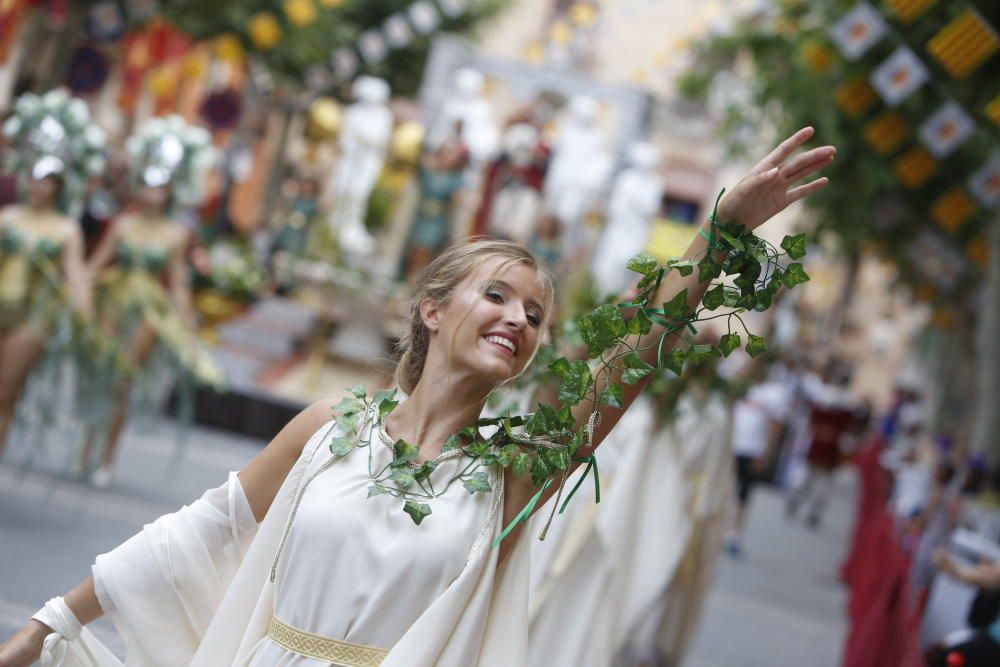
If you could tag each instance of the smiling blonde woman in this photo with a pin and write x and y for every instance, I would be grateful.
(289, 563)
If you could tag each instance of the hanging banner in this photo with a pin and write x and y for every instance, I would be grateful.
(858, 30)
(985, 183)
(899, 76)
(947, 129)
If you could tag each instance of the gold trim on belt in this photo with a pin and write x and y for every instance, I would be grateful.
(310, 645)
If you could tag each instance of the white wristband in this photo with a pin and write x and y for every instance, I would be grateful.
(57, 615)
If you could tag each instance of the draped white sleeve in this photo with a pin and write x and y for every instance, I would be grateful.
(173, 574)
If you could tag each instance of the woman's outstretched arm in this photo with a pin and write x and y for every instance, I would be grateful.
(260, 480)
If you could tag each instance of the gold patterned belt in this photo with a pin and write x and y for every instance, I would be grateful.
(318, 647)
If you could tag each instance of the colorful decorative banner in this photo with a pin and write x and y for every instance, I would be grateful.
(964, 44)
(947, 129)
(858, 30)
(993, 110)
(952, 209)
(937, 260)
(985, 183)
(886, 132)
(899, 76)
(855, 98)
(914, 167)
(910, 10)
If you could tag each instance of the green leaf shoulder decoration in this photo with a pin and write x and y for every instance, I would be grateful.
(543, 444)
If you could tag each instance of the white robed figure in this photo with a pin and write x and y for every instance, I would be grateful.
(364, 140)
(635, 200)
(289, 563)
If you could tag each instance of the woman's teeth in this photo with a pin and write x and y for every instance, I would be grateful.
(500, 340)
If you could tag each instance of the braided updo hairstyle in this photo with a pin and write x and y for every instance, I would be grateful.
(438, 282)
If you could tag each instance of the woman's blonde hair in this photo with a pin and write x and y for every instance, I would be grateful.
(438, 282)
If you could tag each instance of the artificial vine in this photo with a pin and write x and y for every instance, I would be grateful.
(544, 443)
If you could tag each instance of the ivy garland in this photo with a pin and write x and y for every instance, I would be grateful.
(544, 443)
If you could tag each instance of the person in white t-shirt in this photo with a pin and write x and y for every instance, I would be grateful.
(757, 421)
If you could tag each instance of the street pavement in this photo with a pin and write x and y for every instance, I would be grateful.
(779, 606)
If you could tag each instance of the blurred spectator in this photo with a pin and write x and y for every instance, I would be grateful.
(978, 646)
(834, 416)
(757, 420)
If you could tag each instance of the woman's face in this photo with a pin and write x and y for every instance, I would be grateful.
(42, 191)
(491, 325)
(153, 198)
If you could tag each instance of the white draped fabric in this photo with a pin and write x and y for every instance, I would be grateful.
(193, 588)
(611, 564)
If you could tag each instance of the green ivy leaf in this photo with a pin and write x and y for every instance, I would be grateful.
(756, 346)
(677, 307)
(386, 401)
(479, 482)
(634, 368)
(341, 446)
(546, 420)
(348, 406)
(540, 470)
(612, 395)
(732, 298)
(683, 266)
(425, 470)
(674, 360)
(417, 511)
(642, 263)
(454, 441)
(405, 452)
(508, 454)
(795, 246)
(376, 490)
(714, 297)
(522, 464)
(402, 477)
(762, 300)
(576, 380)
(359, 391)
(601, 329)
(640, 324)
(728, 343)
(708, 269)
(701, 352)
(794, 275)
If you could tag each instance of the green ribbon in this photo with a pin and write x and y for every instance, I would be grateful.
(591, 464)
(714, 220)
(523, 515)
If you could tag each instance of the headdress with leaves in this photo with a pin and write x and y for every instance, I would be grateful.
(169, 150)
(53, 134)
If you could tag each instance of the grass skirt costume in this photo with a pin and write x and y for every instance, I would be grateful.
(195, 588)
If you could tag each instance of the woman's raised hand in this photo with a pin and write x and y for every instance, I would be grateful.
(771, 185)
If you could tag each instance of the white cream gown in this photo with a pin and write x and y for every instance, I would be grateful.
(358, 569)
(193, 587)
